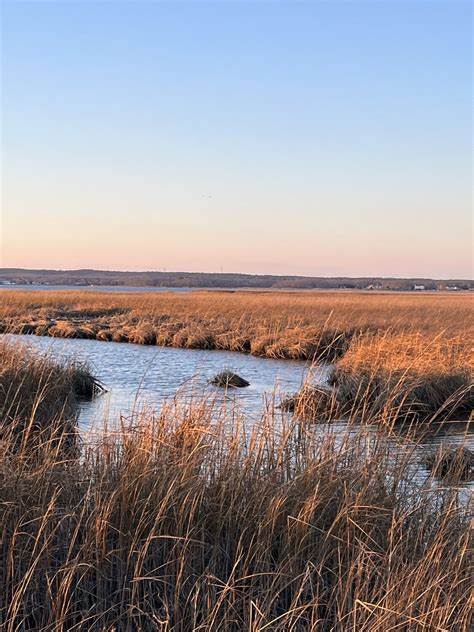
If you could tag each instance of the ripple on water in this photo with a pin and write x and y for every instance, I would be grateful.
(136, 376)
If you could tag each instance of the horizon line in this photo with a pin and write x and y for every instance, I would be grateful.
(222, 273)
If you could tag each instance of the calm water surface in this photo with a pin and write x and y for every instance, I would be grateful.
(138, 376)
(127, 289)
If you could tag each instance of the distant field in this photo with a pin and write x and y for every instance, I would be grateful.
(296, 325)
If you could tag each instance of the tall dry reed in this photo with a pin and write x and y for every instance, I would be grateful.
(192, 521)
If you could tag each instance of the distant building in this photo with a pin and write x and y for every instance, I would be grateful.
(419, 287)
(452, 287)
(375, 286)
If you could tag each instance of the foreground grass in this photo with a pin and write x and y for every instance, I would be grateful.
(190, 521)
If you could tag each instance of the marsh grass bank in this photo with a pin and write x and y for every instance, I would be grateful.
(397, 377)
(278, 325)
(406, 374)
(191, 521)
(39, 398)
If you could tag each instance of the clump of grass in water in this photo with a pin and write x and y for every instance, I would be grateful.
(39, 398)
(406, 377)
(190, 521)
(313, 403)
(453, 464)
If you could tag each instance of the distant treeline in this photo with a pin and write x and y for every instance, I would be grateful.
(222, 280)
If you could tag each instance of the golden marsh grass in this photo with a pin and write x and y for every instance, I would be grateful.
(190, 521)
(274, 324)
(418, 346)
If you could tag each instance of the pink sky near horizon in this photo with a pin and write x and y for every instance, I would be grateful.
(307, 260)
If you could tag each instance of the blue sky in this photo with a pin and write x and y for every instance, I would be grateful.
(318, 138)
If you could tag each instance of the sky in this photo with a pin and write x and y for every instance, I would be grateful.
(315, 138)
